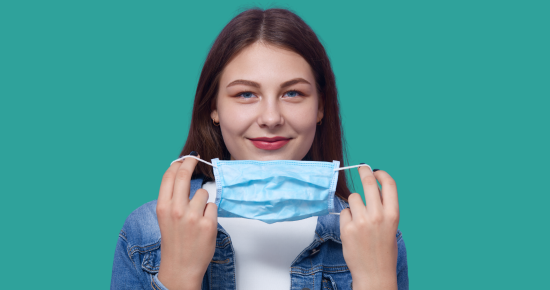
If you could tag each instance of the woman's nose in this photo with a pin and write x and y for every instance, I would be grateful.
(271, 116)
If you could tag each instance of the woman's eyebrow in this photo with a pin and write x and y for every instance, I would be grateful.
(257, 85)
(294, 81)
(244, 82)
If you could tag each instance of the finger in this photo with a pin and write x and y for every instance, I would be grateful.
(345, 217)
(198, 202)
(370, 189)
(211, 211)
(182, 185)
(389, 190)
(167, 184)
(356, 205)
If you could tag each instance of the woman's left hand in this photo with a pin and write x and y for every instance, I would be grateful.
(368, 232)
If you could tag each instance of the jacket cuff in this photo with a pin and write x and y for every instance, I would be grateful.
(157, 285)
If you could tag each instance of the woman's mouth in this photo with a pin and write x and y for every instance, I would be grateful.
(272, 143)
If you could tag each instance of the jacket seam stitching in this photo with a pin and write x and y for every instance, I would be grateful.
(122, 237)
(223, 243)
(221, 262)
(122, 234)
(320, 238)
(144, 249)
(130, 257)
(298, 270)
(311, 262)
(320, 268)
(330, 237)
(153, 283)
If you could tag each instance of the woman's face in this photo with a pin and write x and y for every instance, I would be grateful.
(267, 92)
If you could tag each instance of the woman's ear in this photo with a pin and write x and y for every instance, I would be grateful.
(214, 116)
(321, 111)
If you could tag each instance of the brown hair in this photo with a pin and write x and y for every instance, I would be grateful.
(284, 29)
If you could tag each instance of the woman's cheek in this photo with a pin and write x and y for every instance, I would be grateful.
(237, 123)
(303, 121)
(304, 124)
(234, 128)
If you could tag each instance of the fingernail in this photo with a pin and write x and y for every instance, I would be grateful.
(194, 153)
(374, 170)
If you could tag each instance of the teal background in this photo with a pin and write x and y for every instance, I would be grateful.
(449, 97)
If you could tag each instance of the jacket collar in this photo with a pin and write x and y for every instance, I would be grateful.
(328, 226)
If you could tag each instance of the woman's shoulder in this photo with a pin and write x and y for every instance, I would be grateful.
(141, 227)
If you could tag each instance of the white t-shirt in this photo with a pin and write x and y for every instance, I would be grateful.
(264, 252)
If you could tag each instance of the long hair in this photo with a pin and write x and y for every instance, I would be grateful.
(281, 28)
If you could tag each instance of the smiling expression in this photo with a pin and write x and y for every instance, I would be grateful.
(267, 104)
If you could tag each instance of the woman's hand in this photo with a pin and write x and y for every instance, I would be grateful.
(368, 233)
(188, 228)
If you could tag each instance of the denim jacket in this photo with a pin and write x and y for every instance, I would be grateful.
(320, 266)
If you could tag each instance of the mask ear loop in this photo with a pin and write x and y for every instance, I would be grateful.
(194, 157)
(201, 160)
(353, 166)
(348, 167)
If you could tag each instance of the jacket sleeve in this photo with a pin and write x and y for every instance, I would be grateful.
(402, 267)
(124, 274)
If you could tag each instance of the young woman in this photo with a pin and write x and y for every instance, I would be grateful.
(266, 92)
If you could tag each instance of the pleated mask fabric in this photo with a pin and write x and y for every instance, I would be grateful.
(274, 191)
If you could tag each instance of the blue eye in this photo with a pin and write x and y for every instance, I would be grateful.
(293, 94)
(247, 95)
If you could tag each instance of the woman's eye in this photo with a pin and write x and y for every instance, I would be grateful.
(293, 94)
(246, 95)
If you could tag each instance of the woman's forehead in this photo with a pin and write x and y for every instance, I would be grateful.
(266, 63)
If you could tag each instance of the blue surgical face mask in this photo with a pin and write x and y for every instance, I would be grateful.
(274, 191)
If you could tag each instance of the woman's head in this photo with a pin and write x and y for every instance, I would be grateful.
(267, 75)
(267, 92)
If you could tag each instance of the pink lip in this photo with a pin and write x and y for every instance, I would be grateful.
(273, 143)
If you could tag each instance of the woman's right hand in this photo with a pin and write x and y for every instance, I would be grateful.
(188, 228)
